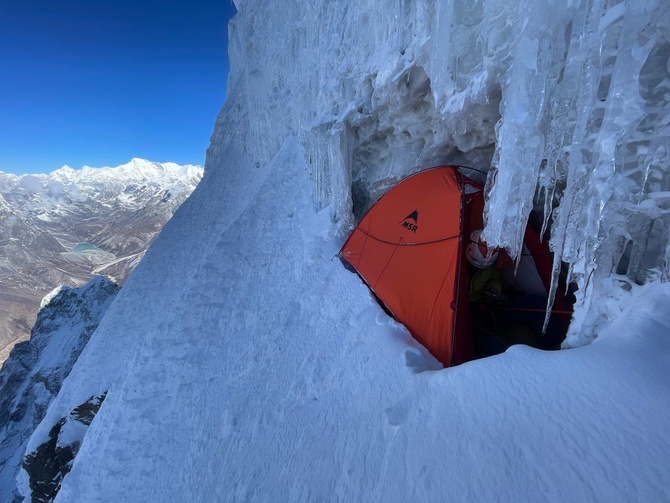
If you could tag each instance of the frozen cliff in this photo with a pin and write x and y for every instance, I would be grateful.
(567, 101)
(241, 361)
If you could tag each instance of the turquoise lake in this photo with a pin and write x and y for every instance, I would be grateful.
(82, 247)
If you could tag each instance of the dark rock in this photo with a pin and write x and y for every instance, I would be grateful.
(85, 412)
(50, 463)
(47, 466)
(35, 370)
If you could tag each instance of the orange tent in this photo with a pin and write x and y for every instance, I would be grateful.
(408, 249)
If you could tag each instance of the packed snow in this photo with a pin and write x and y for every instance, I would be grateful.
(242, 361)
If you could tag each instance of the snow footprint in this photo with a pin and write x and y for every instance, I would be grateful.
(396, 414)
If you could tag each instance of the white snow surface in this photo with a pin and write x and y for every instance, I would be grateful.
(266, 371)
(243, 362)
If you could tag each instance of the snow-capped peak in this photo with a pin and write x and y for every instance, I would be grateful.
(133, 172)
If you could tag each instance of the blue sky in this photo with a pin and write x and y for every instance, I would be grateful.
(98, 82)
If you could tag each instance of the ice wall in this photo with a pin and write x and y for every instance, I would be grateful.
(585, 121)
(567, 100)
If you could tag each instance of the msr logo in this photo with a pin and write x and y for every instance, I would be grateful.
(407, 224)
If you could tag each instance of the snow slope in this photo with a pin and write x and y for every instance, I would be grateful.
(273, 375)
(243, 362)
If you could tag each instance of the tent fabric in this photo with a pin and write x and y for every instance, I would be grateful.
(408, 249)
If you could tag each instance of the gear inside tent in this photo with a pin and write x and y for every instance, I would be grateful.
(409, 248)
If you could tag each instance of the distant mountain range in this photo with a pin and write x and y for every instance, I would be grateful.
(68, 226)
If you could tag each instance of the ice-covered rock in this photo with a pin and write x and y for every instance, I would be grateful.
(34, 372)
(50, 462)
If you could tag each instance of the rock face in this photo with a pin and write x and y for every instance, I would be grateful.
(51, 461)
(69, 226)
(33, 374)
(47, 466)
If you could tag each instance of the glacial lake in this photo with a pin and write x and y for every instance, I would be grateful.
(83, 247)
